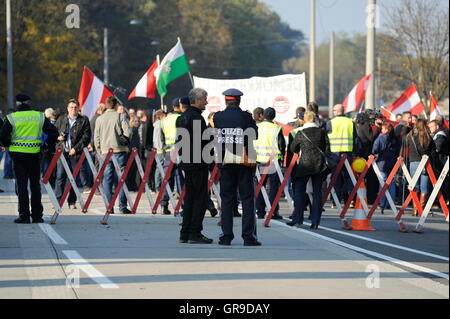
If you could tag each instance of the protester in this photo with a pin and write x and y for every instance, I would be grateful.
(386, 147)
(47, 154)
(210, 204)
(74, 135)
(112, 131)
(419, 143)
(440, 154)
(312, 142)
(133, 178)
(158, 144)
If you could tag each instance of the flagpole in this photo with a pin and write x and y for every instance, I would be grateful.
(162, 98)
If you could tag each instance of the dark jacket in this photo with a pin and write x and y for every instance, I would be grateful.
(440, 153)
(147, 136)
(416, 151)
(48, 128)
(189, 119)
(366, 138)
(234, 119)
(312, 162)
(135, 140)
(80, 132)
(387, 149)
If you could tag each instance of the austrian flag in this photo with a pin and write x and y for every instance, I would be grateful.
(147, 85)
(92, 92)
(353, 101)
(408, 101)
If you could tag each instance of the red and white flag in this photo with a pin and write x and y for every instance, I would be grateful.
(408, 101)
(147, 85)
(92, 92)
(357, 95)
(434, 108)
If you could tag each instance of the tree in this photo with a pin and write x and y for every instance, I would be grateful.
(415, 47)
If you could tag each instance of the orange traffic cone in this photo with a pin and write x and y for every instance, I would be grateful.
(360, 221)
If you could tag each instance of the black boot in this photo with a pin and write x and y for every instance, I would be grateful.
(166, 210)
(22, 220)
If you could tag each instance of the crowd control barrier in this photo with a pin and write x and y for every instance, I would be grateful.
(214, 185)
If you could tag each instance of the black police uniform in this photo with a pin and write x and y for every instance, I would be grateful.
(27, 168)
(230, 125)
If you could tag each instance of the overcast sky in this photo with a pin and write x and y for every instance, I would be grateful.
(331, 15)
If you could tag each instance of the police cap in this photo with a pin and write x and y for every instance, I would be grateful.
(232, 94)
(22, 97)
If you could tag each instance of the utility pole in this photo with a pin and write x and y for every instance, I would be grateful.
(370, 53)
(331, 80)
(312, 52)
(9, 58)
(105, 57)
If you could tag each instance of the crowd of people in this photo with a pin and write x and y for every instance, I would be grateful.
(312, 136)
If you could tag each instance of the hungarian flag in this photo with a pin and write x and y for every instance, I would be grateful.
(92, 93)
(147, 84)
(172, 67)
(435, 110)
(357, 95)
(408, 101)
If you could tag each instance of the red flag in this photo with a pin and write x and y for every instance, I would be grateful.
(408, 101)
(147, 85)
(357, 95)
(92, 93)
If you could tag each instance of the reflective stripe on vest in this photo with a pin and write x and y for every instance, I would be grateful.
(26, 135)
(267, 141)
(341, 137)
(168, 126)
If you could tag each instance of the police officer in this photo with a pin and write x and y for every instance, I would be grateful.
(169, 135)
(236, 132)
(270, 139)
(22, 132)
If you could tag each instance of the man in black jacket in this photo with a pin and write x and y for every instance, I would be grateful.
(74, 135)
(191, 126)
(440, 154)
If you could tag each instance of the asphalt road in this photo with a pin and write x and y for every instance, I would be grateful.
(139, 257)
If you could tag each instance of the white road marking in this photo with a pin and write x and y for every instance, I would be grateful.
(52, 234)
(90, 270)
(367, 252)
(419, 252)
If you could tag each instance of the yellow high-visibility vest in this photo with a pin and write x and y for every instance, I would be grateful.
(341, 137)
(267, 141)
(27, 131)
(168, 126)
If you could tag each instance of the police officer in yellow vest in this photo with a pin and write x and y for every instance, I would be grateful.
(22, 132)
(270, 139)
(169, 135)
(343, 140)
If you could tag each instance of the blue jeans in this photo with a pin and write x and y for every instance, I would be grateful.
(300, 198)
(423, 184)
(110, 178)
(391, 190)
(274, 183)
